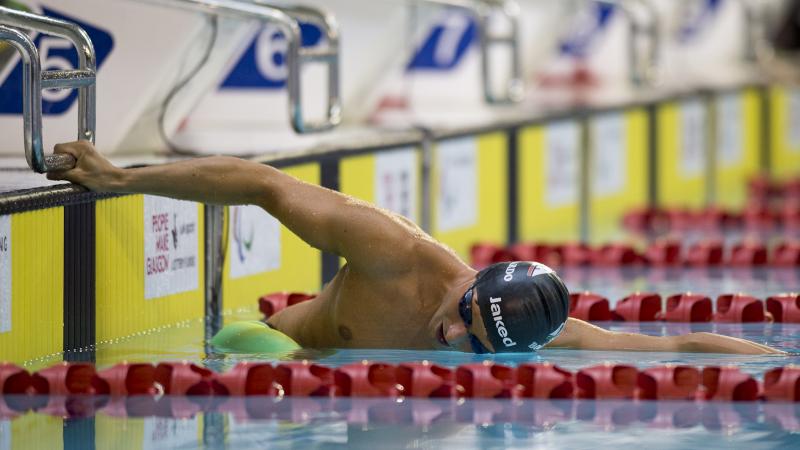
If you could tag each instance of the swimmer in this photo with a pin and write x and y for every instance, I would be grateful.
(400, 288)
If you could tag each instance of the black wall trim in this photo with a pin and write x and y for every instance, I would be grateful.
(329, 178)
(79, 434)
(513, 185)
(652, 148)
(79, 282)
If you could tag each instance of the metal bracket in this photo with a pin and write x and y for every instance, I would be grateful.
(286, 18)
(641, 70)
(484, 11)
(34, 80)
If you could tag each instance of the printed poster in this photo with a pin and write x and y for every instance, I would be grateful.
(171, 257)
(396, 182)
(693, 139)
(254, 241)
(793, 120)
(562, 144)
(457, 199)
(609, 160)
(729, 129)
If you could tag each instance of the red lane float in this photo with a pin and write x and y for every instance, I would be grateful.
(246, 378)
(304, 379)
(665, 252)
(638, 307)
(70, 379)
(366, 379)
(15, 380)
(784, 308)
(688, 307)
(748, 254)
(607, 381)
(668, 383)
(786, 254)
(272, 303)
(616, 255)
(486, 380)
(127, 379)
(782, 384)
(705, 253)
(739, 308)
(589, 307)
(132, 393)
(185, 379)
(728, 384)
(544, 381)
(424, 379)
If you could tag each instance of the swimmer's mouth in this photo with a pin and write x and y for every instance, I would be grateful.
(440, 335)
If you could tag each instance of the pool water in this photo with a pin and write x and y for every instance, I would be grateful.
(427, 423)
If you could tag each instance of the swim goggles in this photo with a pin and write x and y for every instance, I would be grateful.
(465, 311)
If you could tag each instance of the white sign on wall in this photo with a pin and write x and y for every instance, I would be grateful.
(254, 239)
(5, 274)
(396, 182)
(457, 199)
(562, 144)
(793, 120)
(609, 162)
(171, 255)
(729, 129)
(693, 139)
(164, 432)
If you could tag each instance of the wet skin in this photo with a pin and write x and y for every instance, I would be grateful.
(399, 289)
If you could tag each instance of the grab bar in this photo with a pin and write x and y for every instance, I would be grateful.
(296, 57)
(34, 80)
(483, 11)
(641, 72)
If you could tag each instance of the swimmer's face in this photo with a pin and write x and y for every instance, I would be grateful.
(458, 325)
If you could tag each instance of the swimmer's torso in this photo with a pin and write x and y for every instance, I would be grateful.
(359, 311)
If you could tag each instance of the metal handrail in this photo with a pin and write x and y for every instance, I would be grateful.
(483, 11)
(34, 80)
(285, 20)
(641, 72)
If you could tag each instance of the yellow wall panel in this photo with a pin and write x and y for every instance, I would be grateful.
(784, 154)
(732, 177)
(491, 219)
(606, 209)
(122, 309)
(37, 431)
(676, 187)
(300, 265)
(37, 288)
(357, 177)
(540, 221)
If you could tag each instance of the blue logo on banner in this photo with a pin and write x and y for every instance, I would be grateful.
(697, 19)
(589, 26)
(262, 64)
(446, 44)
(56, 54)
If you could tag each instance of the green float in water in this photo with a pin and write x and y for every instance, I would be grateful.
(252, 336)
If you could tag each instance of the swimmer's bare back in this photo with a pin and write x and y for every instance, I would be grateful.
(398, 285)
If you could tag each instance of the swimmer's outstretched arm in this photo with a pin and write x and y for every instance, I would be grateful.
(371, 239)
(582, 335)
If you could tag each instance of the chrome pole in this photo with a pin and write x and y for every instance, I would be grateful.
(34, 80)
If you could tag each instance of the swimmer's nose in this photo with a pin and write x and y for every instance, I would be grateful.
(456, 334)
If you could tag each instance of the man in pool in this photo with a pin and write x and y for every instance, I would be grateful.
(400, 288)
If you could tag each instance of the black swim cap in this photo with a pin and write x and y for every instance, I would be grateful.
(524, 305)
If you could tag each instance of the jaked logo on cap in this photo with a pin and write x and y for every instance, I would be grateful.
(498, 321)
